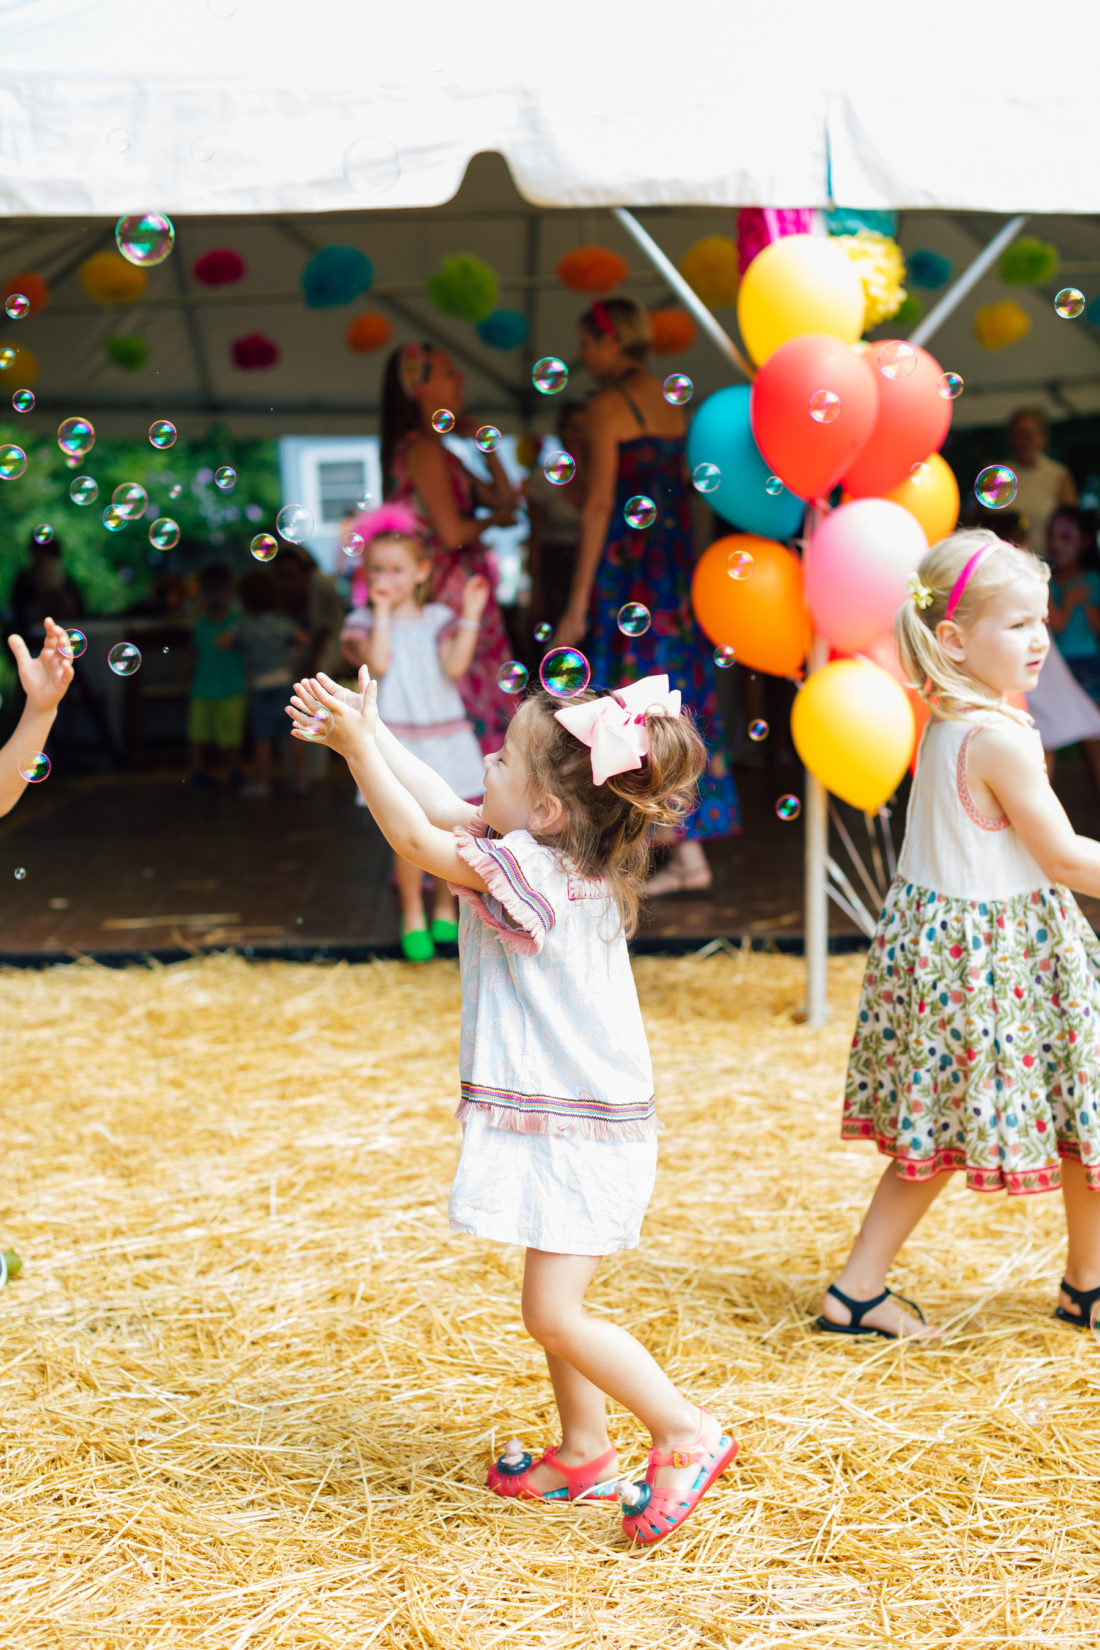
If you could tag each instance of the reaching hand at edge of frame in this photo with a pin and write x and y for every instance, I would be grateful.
(46, 678)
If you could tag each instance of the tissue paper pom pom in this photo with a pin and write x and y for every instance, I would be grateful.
(528, 448)
(929, 270)
(673, 331)
(503, 329)
(909, 311)
(591, 269)
(1092, 314)
(108, 279)
(254, 351)
(710, 268)
(33, 288)
(848, 220)
(336, 275)
(1028, 262)
(881, 268)
(999, 324)
(23, 370)
(759, 226)
(221, 266)
(369, 331)
(463, 286)
(127, 351)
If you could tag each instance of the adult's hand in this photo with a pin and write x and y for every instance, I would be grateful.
(570, 628)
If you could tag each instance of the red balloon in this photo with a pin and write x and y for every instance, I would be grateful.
(913, 420)
(809, 456)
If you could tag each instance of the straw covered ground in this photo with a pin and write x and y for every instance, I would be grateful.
(250, 1381)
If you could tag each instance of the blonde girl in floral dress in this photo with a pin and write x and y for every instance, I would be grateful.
(977, 1044)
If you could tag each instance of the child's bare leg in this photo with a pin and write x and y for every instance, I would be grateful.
(443, 902)
(606, 1359)
(895, 1210)
(410, 893)
(1082, 1231)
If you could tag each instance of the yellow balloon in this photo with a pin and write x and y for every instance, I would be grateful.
(802, 283)
(852, 726)
(931, 493)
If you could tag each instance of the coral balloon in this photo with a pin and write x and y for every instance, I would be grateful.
(932, 497)
(762, 617)
(799, 284)
(807, 456)
(860, 558)
(913, 419)
(852, 726)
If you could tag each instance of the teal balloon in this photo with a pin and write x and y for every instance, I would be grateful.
(721, 434)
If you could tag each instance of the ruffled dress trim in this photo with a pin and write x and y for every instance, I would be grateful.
(531, 914)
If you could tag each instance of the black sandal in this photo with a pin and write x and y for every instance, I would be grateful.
(859, 1310)
(1086, 1299)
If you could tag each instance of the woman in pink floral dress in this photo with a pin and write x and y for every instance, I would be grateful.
(417, 468)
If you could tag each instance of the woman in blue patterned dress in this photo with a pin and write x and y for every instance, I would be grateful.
(636, 447)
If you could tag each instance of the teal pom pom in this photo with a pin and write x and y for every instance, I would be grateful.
(336, 275)
(845, 220)
(1092, 314)
(1028, 262)
(929, 270)
(503, 329)
(127, 351)
(464, 286)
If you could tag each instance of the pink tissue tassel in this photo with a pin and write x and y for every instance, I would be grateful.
(759, 226)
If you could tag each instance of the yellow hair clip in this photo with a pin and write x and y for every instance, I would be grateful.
(920, 593)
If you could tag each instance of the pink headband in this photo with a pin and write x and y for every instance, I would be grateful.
(602, 319)
(966, 575)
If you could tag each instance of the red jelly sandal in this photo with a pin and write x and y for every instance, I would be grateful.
(588, 1482)
(652, 1512)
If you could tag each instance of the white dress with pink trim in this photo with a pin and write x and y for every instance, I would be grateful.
(559, 1147)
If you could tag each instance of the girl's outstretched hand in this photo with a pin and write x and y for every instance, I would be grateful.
(44, 679)
(354, 716)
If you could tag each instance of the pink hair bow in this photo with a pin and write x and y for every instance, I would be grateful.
(614, 727)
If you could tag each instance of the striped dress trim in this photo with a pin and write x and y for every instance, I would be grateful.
(518, 883)
(581, 1115)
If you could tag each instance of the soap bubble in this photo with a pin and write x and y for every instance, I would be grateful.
(739, 564)
(264, 547)
(371, 166)
(118, 140)
(488, 438)
(113, 518)
(352, 544)
(543, 632)
(175, 490)
(17, 305)
(162, 433)
(164, 533)
(294, 522)
(773, 486)
(897, 360)
(19, 873)
(124, 659)
(76, 437)
(640, 511)
(678, 389)
(1069, 303)
(443, 421)
(512, 676)
(564, 671)
(950, 385)
(225, 477)
(130, 499)
(222, 10)
(7, 357)
(201, 149)
(550, 375)
(824, 406)
(364, 501)
(23, 400)
(13, 463)
(559, 468)
(74, 645)
(144, 238)
(920, 472)
(724, 656)
(318, 723)
(43, 533)
(788, 807)
(34, 767)
(633, 619)
(706, 477)
(996, 486)
(83, 490)
(758, 729)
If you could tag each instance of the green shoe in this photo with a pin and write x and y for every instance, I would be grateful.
(443, 931)
(416, 943)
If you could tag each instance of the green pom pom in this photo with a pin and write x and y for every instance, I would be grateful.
(127, 351)
(1028, 262)
(464, 286)
(909, 311)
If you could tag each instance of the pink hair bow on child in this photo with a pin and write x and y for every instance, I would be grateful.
(614, 727)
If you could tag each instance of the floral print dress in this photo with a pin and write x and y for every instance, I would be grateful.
(977, 1043)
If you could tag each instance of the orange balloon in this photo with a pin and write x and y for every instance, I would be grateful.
(932, 495)
(762, 615)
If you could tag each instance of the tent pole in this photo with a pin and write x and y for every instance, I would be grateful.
(690, 299)
(967, 280)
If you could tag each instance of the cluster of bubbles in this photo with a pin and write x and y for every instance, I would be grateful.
(16, 306)
(443, 421)
(996, 486)
(640, 511)
(739, 564)
(897, 360)
(824, 406)
(162, 433)
(564, 671)
(1069, 303)
(633, 619)
(559, 468)
(788, 807)
(145, 238)
(23, 400)
(13, 462)
(124, 659)
(488, 438)
(678, 389)
(34, 767)
(550, 375)
(512, 676)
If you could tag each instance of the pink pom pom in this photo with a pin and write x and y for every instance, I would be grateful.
(219, 267)
(396, 519)
(254, 352)
(759, 226)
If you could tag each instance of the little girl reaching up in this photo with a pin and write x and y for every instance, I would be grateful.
(44, 681)
(559, 1144)
(977, 1044)
(417, 650)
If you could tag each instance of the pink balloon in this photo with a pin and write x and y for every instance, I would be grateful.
(858, 563)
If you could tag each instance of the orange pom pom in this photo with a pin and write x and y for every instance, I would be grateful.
(109, 279)
(673, 331)
(369, 331)
(33, 288)
(591, 269)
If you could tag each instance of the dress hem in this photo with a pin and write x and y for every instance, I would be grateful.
(950, 1159)
(524, 1242)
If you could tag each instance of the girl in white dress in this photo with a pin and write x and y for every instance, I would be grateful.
(559, 1143)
